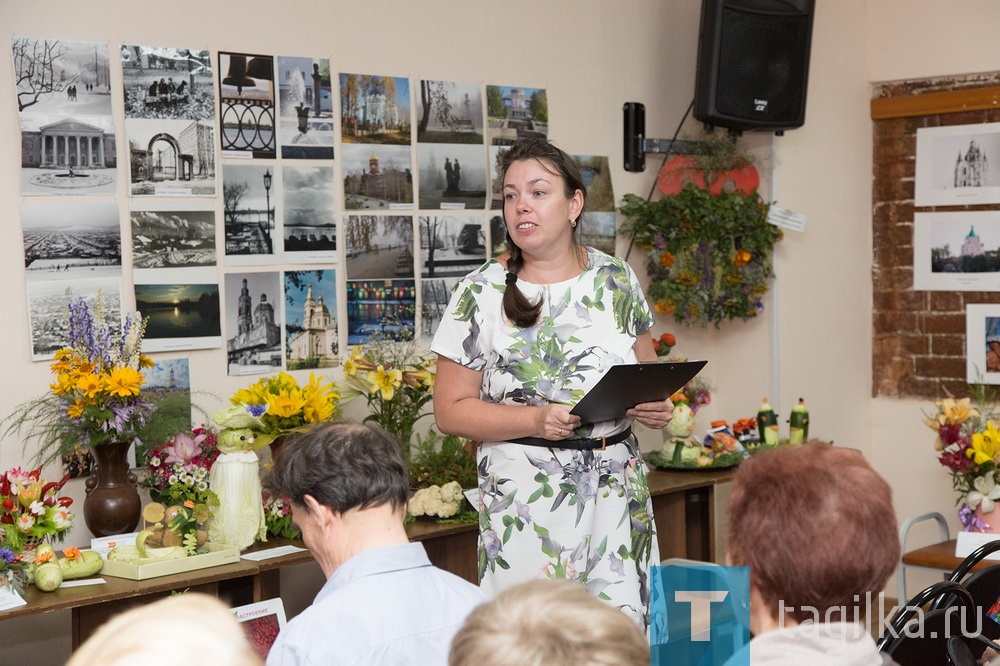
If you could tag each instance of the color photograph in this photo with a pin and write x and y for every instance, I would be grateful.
(246, 105)
(452, 176)
(377, 176)
(162, 82)
(168, 383)
(596, 174)
(516, 113)
(253, 333)
(375, 109)
(956, 251)
(311, 338)
(597, 229)
(180, 316)
(449, 112)
(982, 354)
(451, 245)
(383, 309)
(305, 102)
(379, 246)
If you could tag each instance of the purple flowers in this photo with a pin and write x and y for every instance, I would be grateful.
(7, 555)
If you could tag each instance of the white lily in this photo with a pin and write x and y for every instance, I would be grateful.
(986, 492)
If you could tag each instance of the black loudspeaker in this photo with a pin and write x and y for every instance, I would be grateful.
(753, 63)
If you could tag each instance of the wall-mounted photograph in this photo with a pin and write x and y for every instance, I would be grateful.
(375, 109)
(597, 229)
(60, 76)
(308, 213)
(982, 335)
(163, 82)
(173, 239)
(71, 241)
(435, 295)
(311, 338)
(383, 309)
(953, 165)
(253, 315)
(452, 176)
(305, 100)
(956, 251)
(449, 112)
(379, 246)
(171, 157)
(180, 316)
(246, 105)
(249, 202)
(451, 245)
(47, 305)
(68, 156)
(596, 173)
(516, 112)
(377, 177)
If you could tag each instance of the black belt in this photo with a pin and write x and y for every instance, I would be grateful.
(579, 443)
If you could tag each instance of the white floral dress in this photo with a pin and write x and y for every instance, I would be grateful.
(558, 513)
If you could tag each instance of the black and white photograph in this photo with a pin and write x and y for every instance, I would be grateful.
(449, 112)
(305, 103)
(597, 229)
(498, 235)
(308, 213)
(956, 251)
(68, 156)
(62, 77)
(957, 165)
(596, 173)
(246, 105)
(171, 157)
(516, 112)
(311, 333)
(436, 294)
(375, 109)
(379, 246)
(250, 195)
(173, 238)
(71, 241)
(48, 302)
(377, 177)
(982, 335)
(163, 82)
(452, 176)
(496, 185)
(180, 315)
(451, 245)
(253, 323)
(383, 309)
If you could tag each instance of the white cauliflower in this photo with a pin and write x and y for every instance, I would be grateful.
(436, 501)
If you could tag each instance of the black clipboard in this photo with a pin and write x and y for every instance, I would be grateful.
(625, 386)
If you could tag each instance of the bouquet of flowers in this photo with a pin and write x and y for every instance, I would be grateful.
(177, 470)
(282, 405)
(968, 443)
(278, 518)
(96, 397)
(30, 508)
(396, 382)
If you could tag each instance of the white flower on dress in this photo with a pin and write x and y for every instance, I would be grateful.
(986, 492)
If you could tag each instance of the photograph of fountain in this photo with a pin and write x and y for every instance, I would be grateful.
(305, 105)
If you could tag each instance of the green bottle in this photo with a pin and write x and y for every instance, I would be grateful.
(799, 423)
(767, 424)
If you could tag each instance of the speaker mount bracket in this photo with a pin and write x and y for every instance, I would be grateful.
(637, 145)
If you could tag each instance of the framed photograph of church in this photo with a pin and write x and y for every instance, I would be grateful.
(253, 310)
(982, 335)
(311, 319)
(956, 251)
(957, 165)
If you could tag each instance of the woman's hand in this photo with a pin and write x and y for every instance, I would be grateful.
(654, 415)
(555, 422)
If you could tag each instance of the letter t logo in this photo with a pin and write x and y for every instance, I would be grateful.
(701, 609)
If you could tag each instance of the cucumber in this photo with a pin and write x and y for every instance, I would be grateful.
(798, 423)
(89, 563)
(767, 424)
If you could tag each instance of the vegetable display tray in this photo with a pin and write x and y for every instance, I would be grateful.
(215, 555)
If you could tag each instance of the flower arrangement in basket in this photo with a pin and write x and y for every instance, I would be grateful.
(31, 509)
(96, 397)
(177, 471)
(396, 382)
(283, 406)
(968, 443)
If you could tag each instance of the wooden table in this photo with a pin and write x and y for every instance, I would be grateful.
(682, 506)
(941, 556)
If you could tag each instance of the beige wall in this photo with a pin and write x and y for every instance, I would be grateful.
(592, 56)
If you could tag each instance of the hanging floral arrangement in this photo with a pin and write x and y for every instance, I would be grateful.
(708, 247)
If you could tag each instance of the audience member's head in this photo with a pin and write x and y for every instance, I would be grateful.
(816, 526)
(189, 628)
(343, 466)
(548, 623)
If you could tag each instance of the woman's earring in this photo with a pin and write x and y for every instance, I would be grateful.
(572, 223)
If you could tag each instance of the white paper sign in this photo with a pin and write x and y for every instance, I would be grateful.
(104, 545)
(786, 219)
(969, 541)
(9, 598)
(258, 555)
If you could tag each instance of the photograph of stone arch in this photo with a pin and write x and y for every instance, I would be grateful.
(171, 157)
(375, 109)
(516, 113)
(63, 155)
(163, 82)
(449, 112)
(377, 176)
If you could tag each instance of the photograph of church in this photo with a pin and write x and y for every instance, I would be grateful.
(311, 319)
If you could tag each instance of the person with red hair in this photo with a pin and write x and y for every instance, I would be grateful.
(816, 526)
